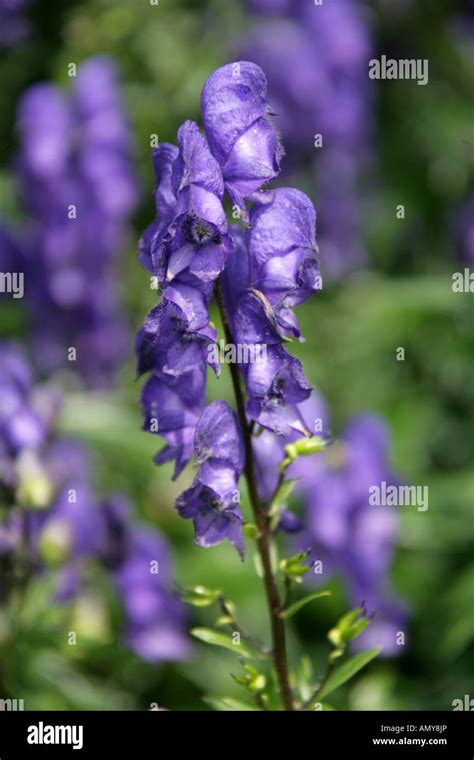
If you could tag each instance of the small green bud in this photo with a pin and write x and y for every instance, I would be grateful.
(307, 446)
(55, 543)
(200, 596)
(35, 492)
(335, 637)
(250, 531)
(293, 566)
(224, 620)
(89, 620)
(335, 654)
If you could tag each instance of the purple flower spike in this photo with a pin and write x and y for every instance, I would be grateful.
(315, 60)
(154, 618)
(354, 538)
(77, 184)
(212, 502)
(235, 112)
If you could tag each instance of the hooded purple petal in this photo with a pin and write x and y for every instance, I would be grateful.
(235, 114)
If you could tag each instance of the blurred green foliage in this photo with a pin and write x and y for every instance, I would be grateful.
(425, 160)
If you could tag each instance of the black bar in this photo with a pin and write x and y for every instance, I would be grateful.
(157, 733)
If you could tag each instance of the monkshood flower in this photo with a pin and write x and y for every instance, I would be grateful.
(315, 58)
(258, 273)
(186, 249)
(78, 188)
(212, 502)
(13, 25)
(171, 408)
(264, 275)
(176, 335)
(187, 246)
(276, 383)
(237, 120)
(188, 241)
(282, 253)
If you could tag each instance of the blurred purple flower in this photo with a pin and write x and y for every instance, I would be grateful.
(22, 426)
(78, 188)
(140, 563)
(315, 58)
(14, 26)
(56, 518)
(352, 537)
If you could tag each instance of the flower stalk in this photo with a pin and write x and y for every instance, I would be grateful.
(264, 535)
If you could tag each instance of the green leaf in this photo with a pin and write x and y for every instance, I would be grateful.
(219, 639)
(294, 608)
(200, 596)
(345, 671)
(229, 703)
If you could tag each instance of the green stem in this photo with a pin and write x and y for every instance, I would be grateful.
(264, 535)
(235, 626)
